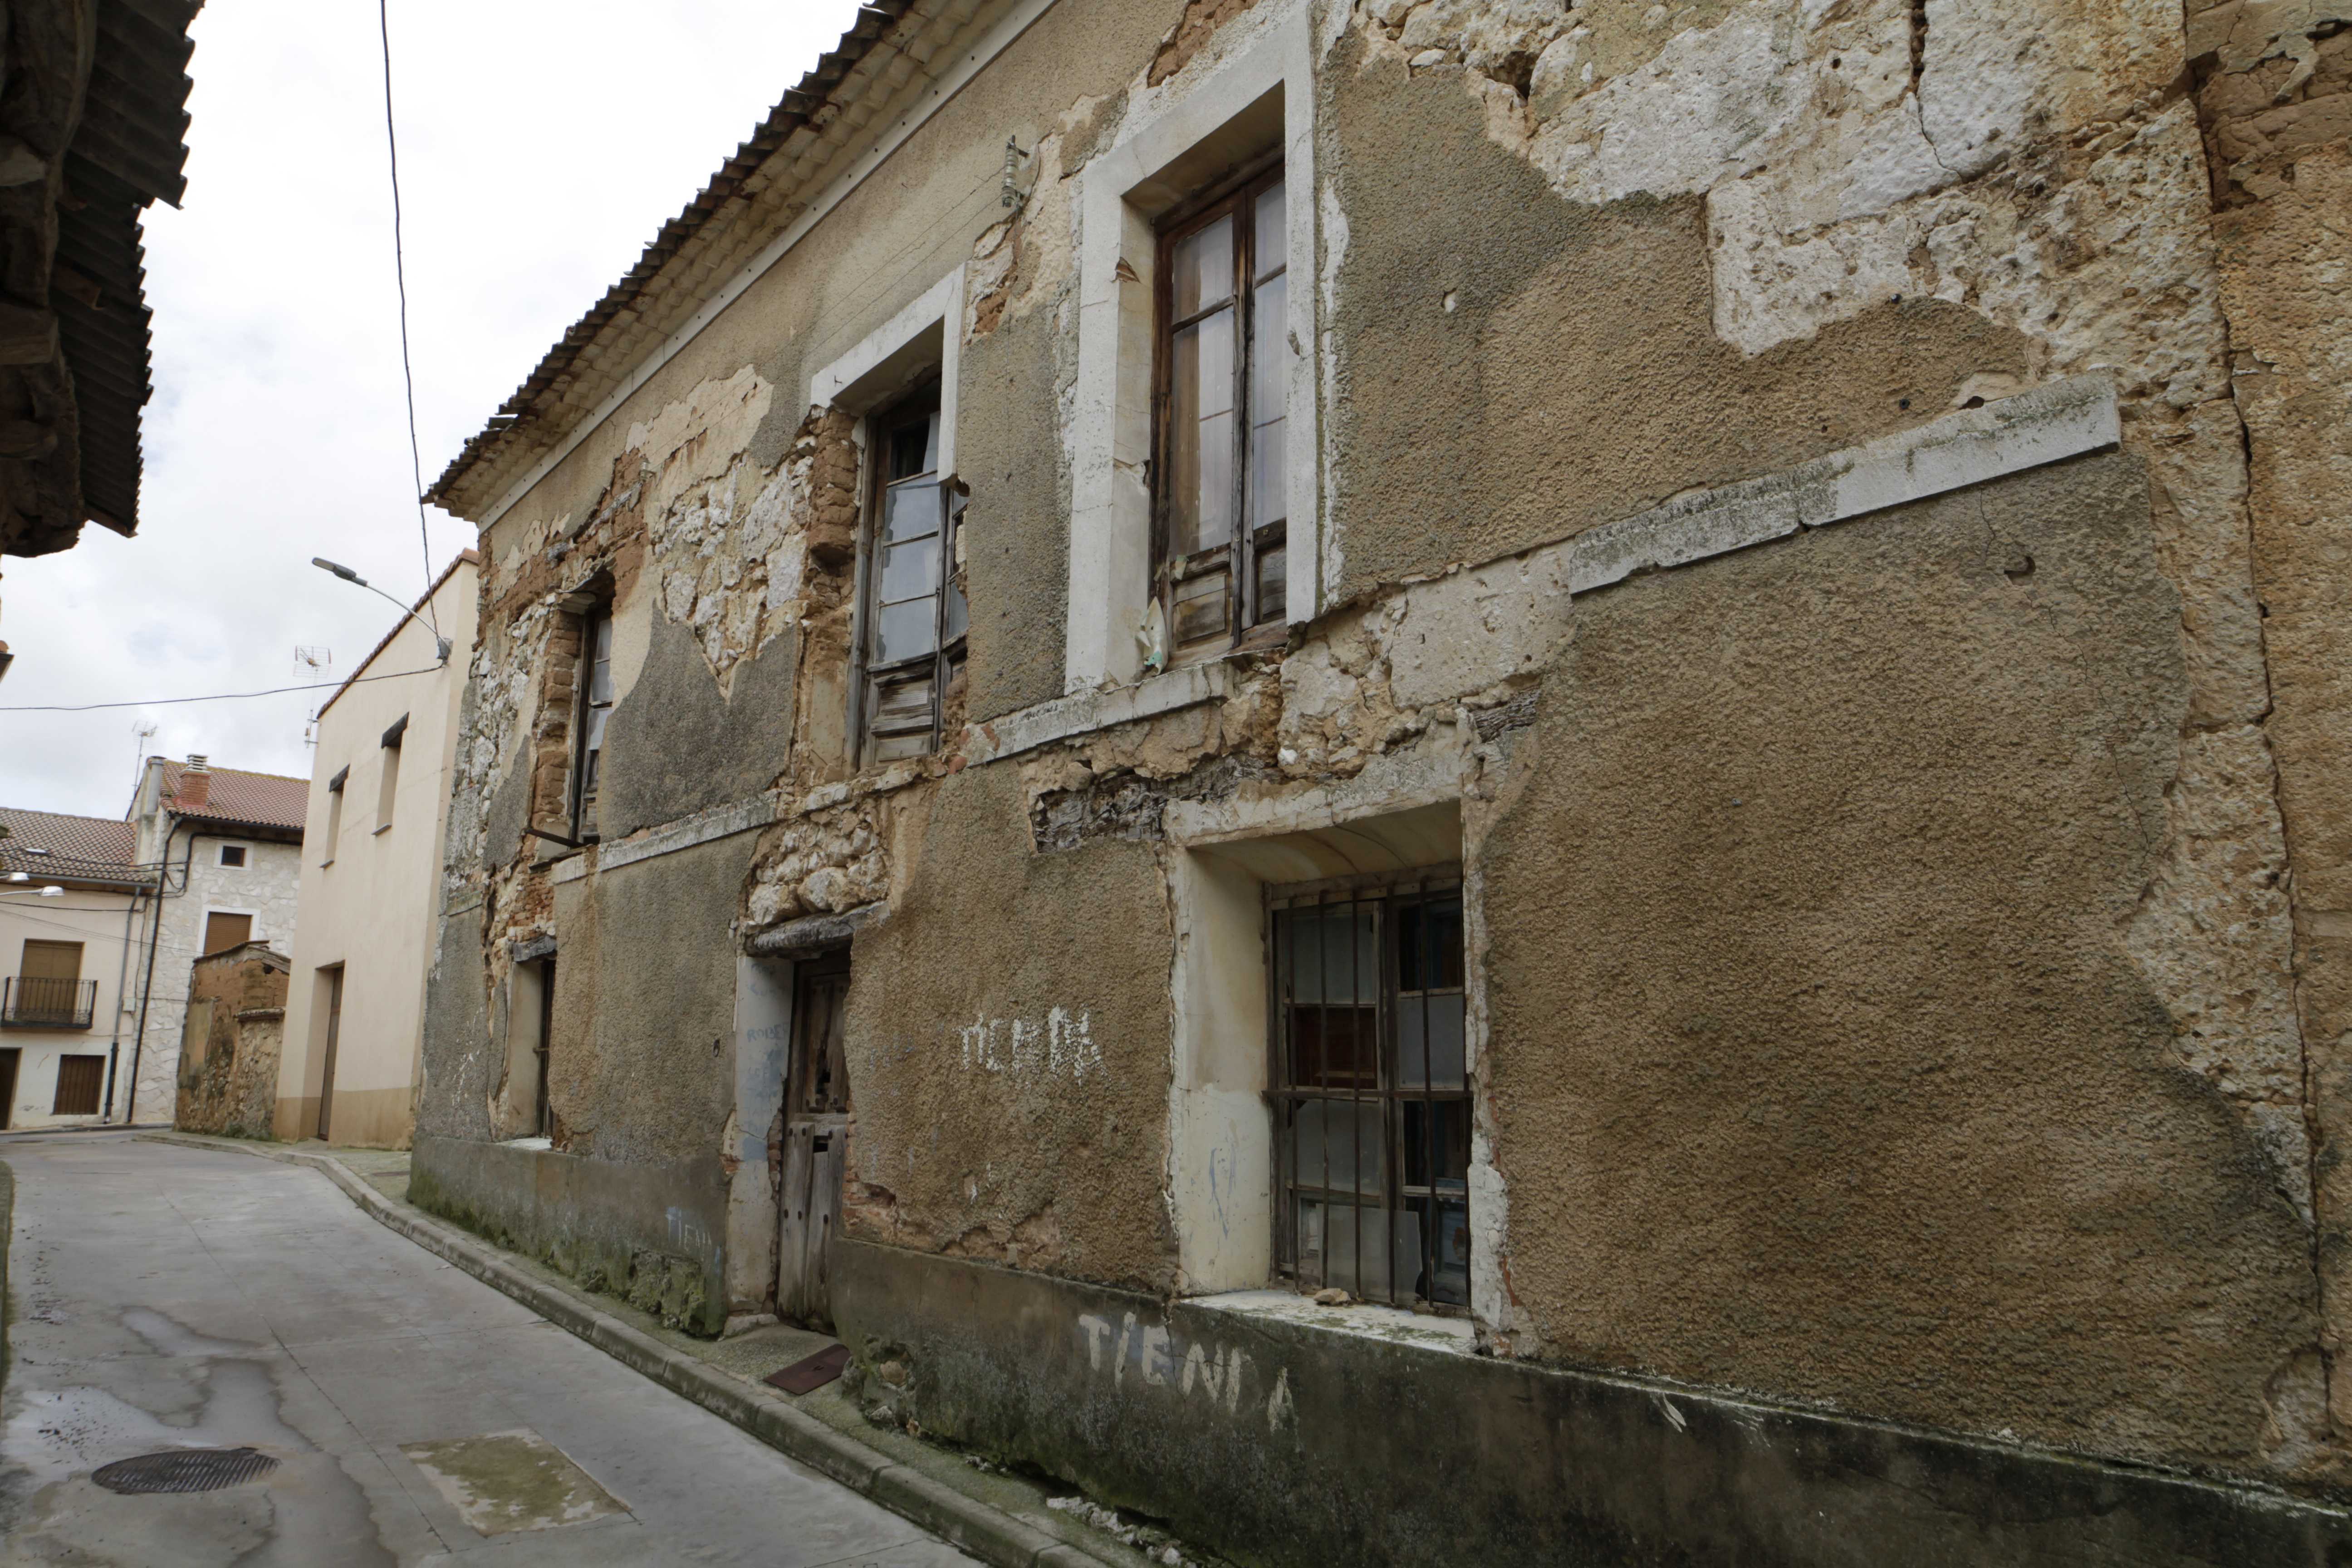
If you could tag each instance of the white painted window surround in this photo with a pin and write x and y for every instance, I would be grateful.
(927, 335)
(1120, 194)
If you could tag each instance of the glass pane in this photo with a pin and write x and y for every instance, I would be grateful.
(1429, 1039)
(911, 570)
(1310, 1243)
(1367, 1240)
(1325, 971)
(600, 663)
(1200, 433)
(1203, 267)
(1271, 601)
(910, 512)
(1321, 1135)
(914, 448)
(1429, 945)
(1412, 1276)
(1453, 1283)
(1201, 607)
(1437, 1144)
(902, 631)
(1334, 1048)
(1269, 356)
(1272, 238)
(597, 714)
(956, 616)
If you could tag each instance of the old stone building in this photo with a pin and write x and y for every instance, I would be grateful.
(1661, 688)
(233, 1035)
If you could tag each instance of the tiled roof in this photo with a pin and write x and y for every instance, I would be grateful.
(47, 844)
(885, 66)
(255, 800)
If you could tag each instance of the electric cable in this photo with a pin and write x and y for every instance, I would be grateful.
(400, 275)
(217, 696)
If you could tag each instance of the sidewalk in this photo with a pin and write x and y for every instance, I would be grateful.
(1000, 1517)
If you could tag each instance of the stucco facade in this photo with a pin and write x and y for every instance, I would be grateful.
(194, 833)
(370, 870)
(88, 930)
(1809, 529)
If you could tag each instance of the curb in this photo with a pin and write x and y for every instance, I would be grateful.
(995, 1537)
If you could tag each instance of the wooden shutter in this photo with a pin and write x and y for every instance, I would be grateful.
(226, 930)
(79, 1081)
(52, 961)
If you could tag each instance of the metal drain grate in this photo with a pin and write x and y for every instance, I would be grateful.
(185, 1470)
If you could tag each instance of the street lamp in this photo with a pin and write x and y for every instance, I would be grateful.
(51, 892)
(441, 643)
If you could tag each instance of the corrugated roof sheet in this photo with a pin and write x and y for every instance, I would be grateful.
(51, 845)
(252, 800)
(879, 66)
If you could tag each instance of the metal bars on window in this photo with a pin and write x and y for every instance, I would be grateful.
(1371, 1092)
(1220, 525)
(915, 614)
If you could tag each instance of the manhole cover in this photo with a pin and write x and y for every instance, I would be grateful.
(185, 1470)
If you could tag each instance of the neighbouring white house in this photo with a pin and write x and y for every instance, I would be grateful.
(371, 877)
(226, 846)
(73, 896)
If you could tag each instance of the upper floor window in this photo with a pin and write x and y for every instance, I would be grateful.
(335, 812)
(387, 784)
(1219, 530)
(914, 610)
(232, 854)
(596, 708)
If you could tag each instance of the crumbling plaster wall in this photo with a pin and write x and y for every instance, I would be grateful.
(1622, 253)
(2274, 93)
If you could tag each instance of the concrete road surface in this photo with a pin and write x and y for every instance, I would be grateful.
(170, 1297)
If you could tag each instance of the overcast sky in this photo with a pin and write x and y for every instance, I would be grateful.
(543, 143)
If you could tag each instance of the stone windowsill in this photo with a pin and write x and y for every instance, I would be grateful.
(1446, 1336)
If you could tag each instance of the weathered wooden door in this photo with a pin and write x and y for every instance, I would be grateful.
(816, 1125)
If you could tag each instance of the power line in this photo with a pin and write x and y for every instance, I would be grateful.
(400, 275)
(215, 696)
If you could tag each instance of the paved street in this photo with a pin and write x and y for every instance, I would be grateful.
(170, 1297)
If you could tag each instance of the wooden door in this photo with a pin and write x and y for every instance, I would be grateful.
(7, 1085)
(80, 1080)
(816, 1129)
(334, 1031)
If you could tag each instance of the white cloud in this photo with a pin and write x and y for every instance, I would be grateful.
(542, 145)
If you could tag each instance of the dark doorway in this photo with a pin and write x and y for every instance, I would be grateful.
(543, 1124)
(334, 979)
(816, 1125)
(7, 1085)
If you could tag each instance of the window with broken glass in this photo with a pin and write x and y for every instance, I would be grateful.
(914, 613)
(595, 682)
(1370, 1091)
(1219, 523)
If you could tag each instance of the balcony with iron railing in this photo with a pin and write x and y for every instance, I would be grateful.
(32, 1001)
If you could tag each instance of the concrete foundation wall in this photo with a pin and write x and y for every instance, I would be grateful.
(1294, 1438)
(648, 1233)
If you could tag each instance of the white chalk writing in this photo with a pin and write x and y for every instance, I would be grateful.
(1217, 1373)
(1057, 1044)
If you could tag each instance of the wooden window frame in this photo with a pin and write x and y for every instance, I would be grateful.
(587, 757)
(1246, 621)
(945, 658)
(1388, 1096)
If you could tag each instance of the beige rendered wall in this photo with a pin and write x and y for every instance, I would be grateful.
(96, 919)
(368, 893)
